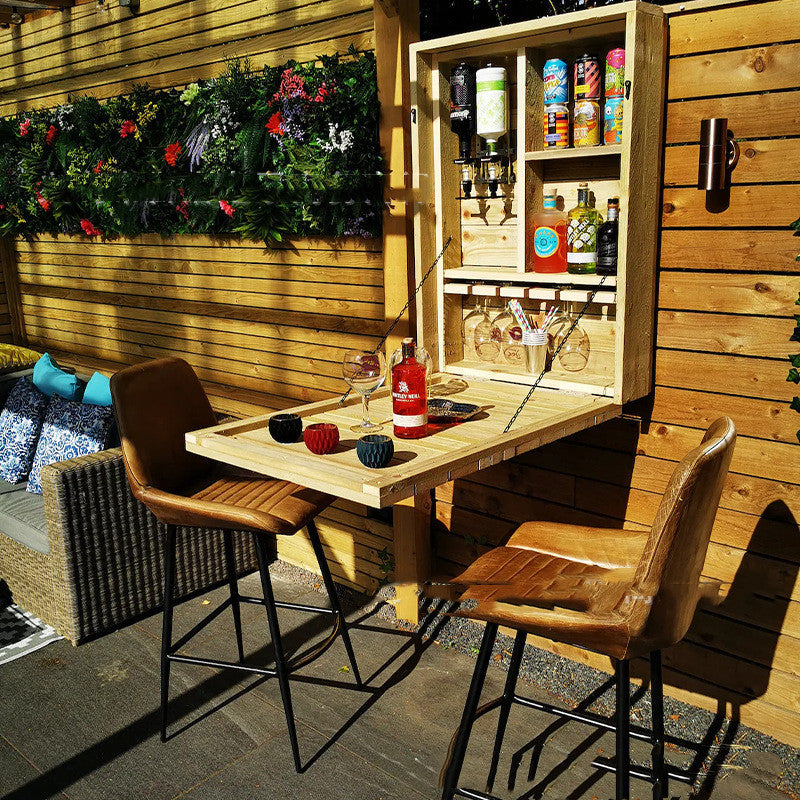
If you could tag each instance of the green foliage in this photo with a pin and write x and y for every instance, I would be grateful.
(289, 151)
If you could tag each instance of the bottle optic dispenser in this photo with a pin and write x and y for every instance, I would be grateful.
(492, 105)
(462, 118)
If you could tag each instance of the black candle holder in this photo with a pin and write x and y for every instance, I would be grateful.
(285, 428)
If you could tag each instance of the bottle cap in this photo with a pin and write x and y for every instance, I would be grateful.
(549, 200)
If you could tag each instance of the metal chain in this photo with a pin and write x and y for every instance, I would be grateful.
(555, 353)
(405, 307)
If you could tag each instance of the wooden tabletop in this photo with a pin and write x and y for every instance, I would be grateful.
(449, 452)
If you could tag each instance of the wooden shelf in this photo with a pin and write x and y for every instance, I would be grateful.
(574, 152)
(511, 275)
(583, 382)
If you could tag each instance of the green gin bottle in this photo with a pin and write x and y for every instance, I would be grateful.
(583, 223)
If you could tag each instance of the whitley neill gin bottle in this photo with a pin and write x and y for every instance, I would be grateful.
(409, 394)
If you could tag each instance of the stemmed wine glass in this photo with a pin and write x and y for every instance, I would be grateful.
(364, 371)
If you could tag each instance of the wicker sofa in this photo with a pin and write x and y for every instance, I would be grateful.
(86, 556)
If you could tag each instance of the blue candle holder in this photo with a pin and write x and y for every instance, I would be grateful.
(375, 450)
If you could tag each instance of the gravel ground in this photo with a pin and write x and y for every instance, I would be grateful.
(731, 746)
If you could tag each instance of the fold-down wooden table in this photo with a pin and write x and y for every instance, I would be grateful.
(419, 465)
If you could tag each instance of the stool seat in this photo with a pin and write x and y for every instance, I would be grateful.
(239, 503)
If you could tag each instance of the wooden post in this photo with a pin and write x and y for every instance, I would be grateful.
(8, 263)
(412, 553)
(397, 26)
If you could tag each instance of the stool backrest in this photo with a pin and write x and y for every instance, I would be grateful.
(156, 403)
(672, 561)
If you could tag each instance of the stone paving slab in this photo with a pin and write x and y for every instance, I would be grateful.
(82, 723)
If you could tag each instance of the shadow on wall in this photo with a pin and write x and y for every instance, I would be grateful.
(721, 645)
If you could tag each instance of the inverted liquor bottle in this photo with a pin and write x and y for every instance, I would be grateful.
(409, 394)
(584, 222)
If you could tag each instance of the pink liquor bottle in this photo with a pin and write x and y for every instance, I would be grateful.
(409, 394)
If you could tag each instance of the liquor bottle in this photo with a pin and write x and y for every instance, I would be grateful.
(462, 108)
(582, 235)
(491, 101)
(409, 394)
(549, 243)
(607, 240)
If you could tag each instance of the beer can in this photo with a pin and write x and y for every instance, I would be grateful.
(612, 120)
(556, 88)
(586, 127)
(587, 78)
(615, 73)
(556, 126)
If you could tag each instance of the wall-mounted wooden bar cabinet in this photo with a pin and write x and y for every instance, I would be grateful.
(489, 256)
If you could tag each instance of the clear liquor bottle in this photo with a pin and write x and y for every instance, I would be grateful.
(583, 224)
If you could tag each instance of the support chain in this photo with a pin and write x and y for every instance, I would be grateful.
(555, 353)
(405, 307)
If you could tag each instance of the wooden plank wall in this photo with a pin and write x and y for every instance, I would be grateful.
(262, 328)
(727, 284)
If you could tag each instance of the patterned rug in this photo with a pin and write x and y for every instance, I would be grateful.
(22, 633)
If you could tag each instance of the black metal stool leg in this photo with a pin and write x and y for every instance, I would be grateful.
(505, 708)
(660, 775)
(623, 762)
(166, 620)
(230, 561)
(277, 644)
(453, 772)
(330, 588)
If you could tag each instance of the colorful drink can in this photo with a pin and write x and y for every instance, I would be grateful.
(612, 120)
(556, 83)
(587, 78)
(586, 128)
(615, 73)
(556, 126)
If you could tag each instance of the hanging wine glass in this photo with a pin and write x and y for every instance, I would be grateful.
(471, 322)
(509, 335)
(487, 341)
(575, 347)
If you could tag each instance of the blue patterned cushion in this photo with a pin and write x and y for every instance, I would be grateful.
(70, 429)
(20, 424)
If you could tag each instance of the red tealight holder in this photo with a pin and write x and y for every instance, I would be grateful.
(321, 437)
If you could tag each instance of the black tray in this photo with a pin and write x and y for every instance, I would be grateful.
(440, 409)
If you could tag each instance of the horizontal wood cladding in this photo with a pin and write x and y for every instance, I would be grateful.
(105, 59)
(727, 287)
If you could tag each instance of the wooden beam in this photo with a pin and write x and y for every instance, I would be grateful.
(391, 8)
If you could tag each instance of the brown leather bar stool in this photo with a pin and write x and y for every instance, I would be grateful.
(156, 404)
(624, 594)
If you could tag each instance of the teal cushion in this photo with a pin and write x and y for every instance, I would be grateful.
(49, 378)
(98, 390)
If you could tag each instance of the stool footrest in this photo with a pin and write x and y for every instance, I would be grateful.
(587, 717)
(259, 601)
(474, 794)
(644, 773)
(212, 662)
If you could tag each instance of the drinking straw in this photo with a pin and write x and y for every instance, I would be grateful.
(519, 314)
(549, 316)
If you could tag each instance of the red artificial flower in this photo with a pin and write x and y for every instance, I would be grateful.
(171, 153)
(24, 127)
(275, 124)
(227, 207)
(100, 165)
(52, 132)
(90, 229)
(128, 127)
(323, 92)
(183, 209)
(43, 202)
(292, 85)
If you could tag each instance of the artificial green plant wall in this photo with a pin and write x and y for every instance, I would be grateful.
(292, 150)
